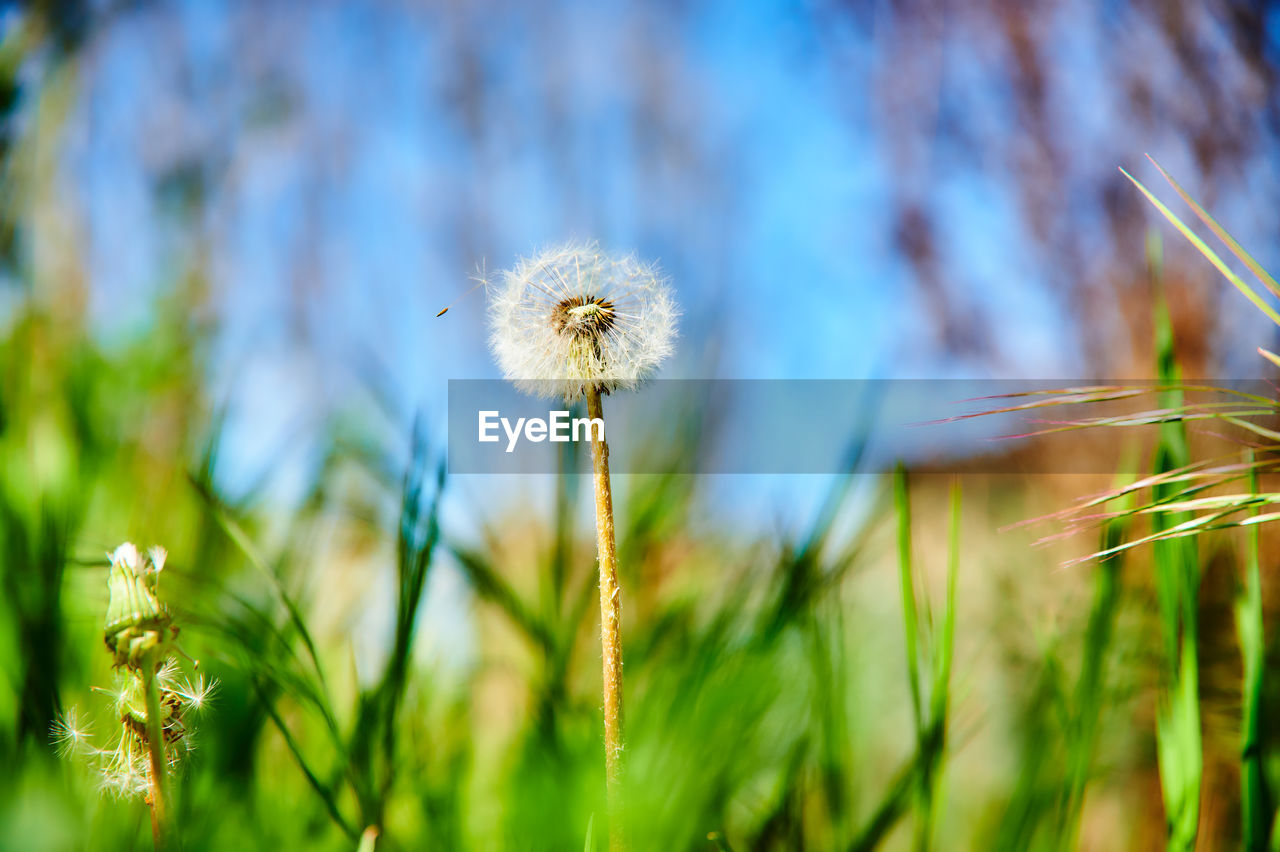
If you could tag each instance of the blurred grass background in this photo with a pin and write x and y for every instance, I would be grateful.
(223, 239)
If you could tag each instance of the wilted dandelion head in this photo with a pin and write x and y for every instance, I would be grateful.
(572, 318)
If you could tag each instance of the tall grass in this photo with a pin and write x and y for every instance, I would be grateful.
(1181, 508)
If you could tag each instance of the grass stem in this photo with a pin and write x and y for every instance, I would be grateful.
(1177, 569)
(1255, 800)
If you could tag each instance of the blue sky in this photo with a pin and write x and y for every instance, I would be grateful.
(358, 161)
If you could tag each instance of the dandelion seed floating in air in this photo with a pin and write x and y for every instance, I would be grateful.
(69, 734)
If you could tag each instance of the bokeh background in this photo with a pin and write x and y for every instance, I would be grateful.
(226, 230)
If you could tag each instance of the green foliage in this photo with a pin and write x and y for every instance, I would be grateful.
(1177, 576)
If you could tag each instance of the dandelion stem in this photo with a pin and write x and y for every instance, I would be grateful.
(610, 618)
(159, 792)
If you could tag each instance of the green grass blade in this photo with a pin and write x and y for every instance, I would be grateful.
(1269, 355)
(893, 805)
(942, 663)
(1220, 232)
(934, 746)
(910, 616)
(1177, 576)
(490, 586)
(1089, 698)
(240, 538)
(1256, 812)
(325, 794)
(1251, 294)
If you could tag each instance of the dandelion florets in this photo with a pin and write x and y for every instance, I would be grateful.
(572, 318)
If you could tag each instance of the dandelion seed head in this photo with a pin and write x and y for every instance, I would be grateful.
(573, 318)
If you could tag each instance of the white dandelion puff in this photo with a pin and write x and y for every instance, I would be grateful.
(573, 319)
